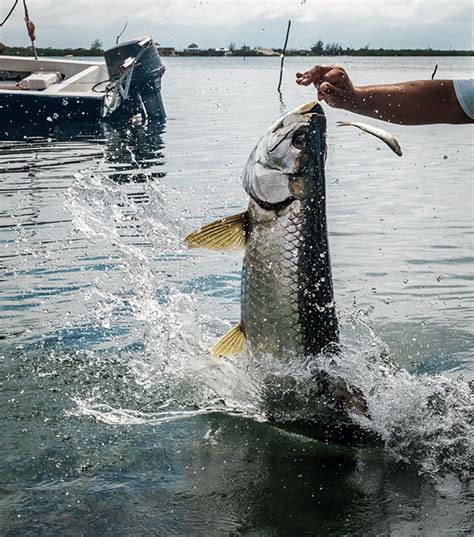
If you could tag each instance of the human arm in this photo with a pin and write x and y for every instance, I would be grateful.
(418, 102)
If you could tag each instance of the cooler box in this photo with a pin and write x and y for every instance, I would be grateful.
(40, 80)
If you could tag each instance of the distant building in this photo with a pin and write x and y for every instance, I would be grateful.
(166, 51)
(192, 48)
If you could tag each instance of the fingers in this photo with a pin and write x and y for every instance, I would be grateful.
(335, 96)
(326, 88)
(315, 76)
(332, 83)
(304, 79)
(327, 92)
(336, 76)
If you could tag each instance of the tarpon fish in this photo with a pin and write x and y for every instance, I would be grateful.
(287, 302)
(287, 298)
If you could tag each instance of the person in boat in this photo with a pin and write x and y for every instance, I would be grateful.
(420, 102)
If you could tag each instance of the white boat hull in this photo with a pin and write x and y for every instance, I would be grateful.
(64, 90)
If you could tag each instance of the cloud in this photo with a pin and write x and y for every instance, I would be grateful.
(356, 22)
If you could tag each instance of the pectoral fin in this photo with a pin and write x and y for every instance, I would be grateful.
(231, 343)
(226, 234)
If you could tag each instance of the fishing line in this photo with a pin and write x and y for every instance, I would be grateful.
(9, 14)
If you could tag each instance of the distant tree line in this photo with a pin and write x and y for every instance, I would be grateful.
(96, 49)
(335, 49)
(318, 49)
(331, 52)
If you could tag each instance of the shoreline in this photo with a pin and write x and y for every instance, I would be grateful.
(79, 52)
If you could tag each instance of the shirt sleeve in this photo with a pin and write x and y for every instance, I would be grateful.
(465, 93)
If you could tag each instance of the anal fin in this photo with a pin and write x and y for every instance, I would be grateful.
(231, 343)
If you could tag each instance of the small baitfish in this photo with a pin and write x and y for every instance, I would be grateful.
(287, 298)
(385, 136)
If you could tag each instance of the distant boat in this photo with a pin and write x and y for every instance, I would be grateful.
(126, 84)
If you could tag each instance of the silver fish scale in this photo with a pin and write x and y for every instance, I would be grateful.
(270, 282)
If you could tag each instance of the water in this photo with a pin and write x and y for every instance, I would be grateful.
(117, 421)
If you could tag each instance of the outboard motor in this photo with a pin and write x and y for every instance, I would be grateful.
(136, 69)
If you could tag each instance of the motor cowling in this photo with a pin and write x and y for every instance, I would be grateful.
(144, 92)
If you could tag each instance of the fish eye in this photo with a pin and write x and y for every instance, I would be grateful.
(299, 138)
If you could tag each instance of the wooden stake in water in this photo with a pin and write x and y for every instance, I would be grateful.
(283, 55)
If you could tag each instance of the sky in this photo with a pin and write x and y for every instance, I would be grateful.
(442, 24)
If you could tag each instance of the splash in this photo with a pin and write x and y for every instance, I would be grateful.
(172, 365)
(118, 416)
(426, 420)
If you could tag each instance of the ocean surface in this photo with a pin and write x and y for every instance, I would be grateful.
(115, 418)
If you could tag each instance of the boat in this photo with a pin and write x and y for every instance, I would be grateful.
(125, 85)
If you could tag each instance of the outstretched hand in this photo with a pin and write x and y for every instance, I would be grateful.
(417, 102)
(332, 84)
